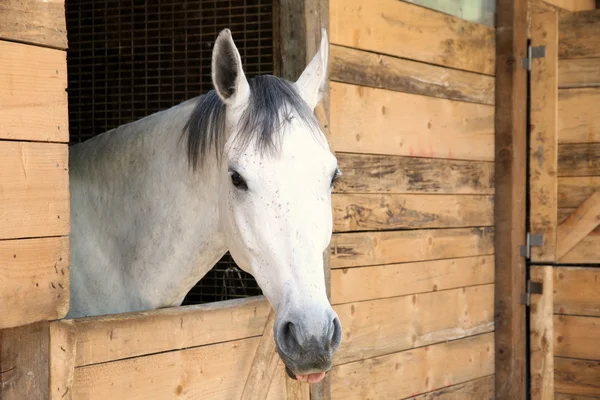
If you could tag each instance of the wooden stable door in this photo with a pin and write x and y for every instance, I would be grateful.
(564, 207)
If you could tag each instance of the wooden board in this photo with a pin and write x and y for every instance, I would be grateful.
(544, 136)
(34, 178)
(578, 117)
(572, 191)
(577, 337)
(580, 35)
(581, 377)
(365, 173)
(109, 338)
(62, 347)
(34, 277)
(374, 248)
(407, 373)
(208, 372)
(378, 327)
(378, 121)
(541, 335)
(408, 31)
(579, 159)
(576, 291)
(579, 72)
(385, 72)
(32, 21)
(368, 212)
(574, 5)
(578, 225)
(563, 396)
(381, 281)
(480, 389)
(33, 97)
(584, 252)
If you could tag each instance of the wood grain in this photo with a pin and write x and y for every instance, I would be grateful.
(580, 35)
(585, 252)
(369, 212)
(35, 190)
(577, 337)
(581, 159)
(574, 5)
(32, 21)
(579, 72)
(581, 377)
(62, 347)
(576, 291)
(578, 225)
(578, 119)
(378, 327)
(363, 68)
(572, 191)
(408, 31)
(365, 173)
(375, 248)
(33, 97)
(544, 136)
(480, 389)
(381, 281)
(542, 336)
(563, 396)
(34, 277)
(377, 121)
(411, 372)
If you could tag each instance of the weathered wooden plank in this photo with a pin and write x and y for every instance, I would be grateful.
(365, 173)
(33, 97)
(579, 35)
(34, 280)
(574, 5)
(378, 121)
(24, 362)
(407, 373)
(208, 372)
(578, 225)
(397, 28)
(576, 291)
(31, 21)
(378, 327)
(563, 396)
(581, 377)
(373, 248)
(367, 212)
(381, 281)
(581, 159)
(108, 338)
(584, 252)
(35, 190)
(510, 198)
(578, 117)
(62, 347)
(578, 73)
(542, 336)
(385, 72)
(295, 390)
(544, 136)
(480, 389)
(577, 337)
(572, 191)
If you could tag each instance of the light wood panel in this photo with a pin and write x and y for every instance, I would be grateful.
(62, 347)
(574, 5)
(378, 121)
(578, 225)
(407, 373)
(584, 252)
(581, 159)
(577, 337)
(572, 191)
(576, 291)
(541, 335)
(33, 97)
(408, 31)
(33, 21)
(365, 173)
(579, 119)
(381, 281)
(34, 280)
(363, 68)
(579, 35)
(563, 396)
(367, 212)
(480, 389)
(580, 377)
(373, 248)
(35, 190)
(579, 72)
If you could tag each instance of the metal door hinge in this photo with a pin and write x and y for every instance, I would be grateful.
(533, 52)
(532, 240)
(532, 288)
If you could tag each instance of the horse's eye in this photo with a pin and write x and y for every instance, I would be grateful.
(238, 181)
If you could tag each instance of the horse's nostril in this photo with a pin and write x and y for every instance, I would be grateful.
(335, 337)
(287, 337)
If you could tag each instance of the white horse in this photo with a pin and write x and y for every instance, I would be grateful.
(244, 168)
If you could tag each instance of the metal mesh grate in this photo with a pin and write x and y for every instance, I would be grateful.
(129, 58)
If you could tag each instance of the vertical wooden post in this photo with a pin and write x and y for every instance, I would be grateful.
(542, 335)
(510, 174)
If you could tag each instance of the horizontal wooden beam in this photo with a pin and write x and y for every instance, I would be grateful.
(579, 35)
(578, 225)
(577, 337)
(578, 119)
(577, 377)
(33, 21)
(576, 291)
(579, 73)
(582, 159)
(480, 389)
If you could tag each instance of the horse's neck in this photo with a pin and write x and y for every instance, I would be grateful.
(145, 227)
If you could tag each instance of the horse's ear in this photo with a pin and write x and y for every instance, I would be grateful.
(312, 81)
(227, 74)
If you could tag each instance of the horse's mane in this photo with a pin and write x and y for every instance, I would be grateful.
(272, 101)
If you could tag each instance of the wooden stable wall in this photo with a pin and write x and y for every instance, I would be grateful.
(412, 257)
